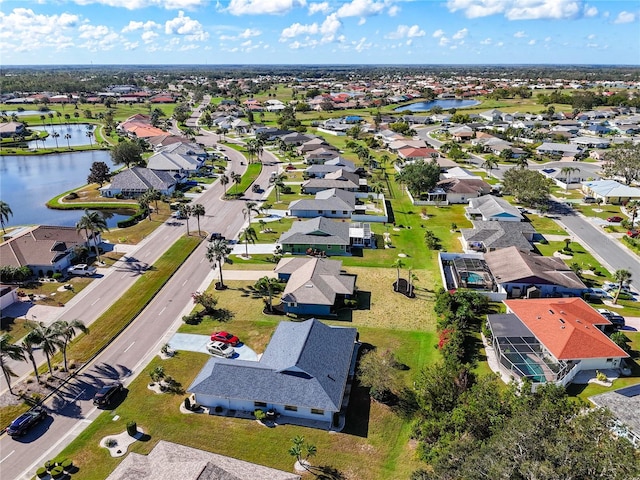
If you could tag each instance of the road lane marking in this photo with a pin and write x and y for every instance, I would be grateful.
(202, 260)
(185, 282)
(162, 311)
(10, 453)
(97, 300)
(127, 349)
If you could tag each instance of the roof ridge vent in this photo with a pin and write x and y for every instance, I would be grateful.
(551, 312)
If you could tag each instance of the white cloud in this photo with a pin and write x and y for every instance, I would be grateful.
(148, 37)
(93, 31)
(547, 39)
(625, 17)
(362, 45)
(146, 26)
(518, 9)
(139, 4)
(444, 41)
(499, 44)
(486, 41)
(298, 29)
(590, 11)
(250, 32)
(460, 34)
(520, 34)
(591, 37)
(393, 10)
(532, 42)
(330, 27)
(438, 33)
(22, 30)
(263, 7)
(407, 31)
(183, 25)
(322, 7)
(361, 8)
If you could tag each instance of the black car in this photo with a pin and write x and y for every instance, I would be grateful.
(24, 422)
(104, 396)
(215, 236)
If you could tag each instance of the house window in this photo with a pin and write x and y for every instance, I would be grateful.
(609, 360)
(344, 212)
(333, 212)
(292, 304)
(317, 411)
(259, 404)
(320, 211)
(291, 408)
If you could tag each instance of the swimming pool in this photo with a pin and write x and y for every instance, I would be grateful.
(527, 366)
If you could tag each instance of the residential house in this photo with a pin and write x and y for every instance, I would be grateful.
(489, 236)
(551, 340)
(335, 165)
(340, 179)
(559, 149)
(311, 145)
(460, 190)
(8, 295)
(590, 142)
(330, 203)
(168, 461)
(490, 208)
(568, 179)
(492, 115)
(315, 286)
(45, 249)
(296, 138)
(304, 373)
(610, 191)
(186, 148)
(160, 141)
(10, 129)
(398, 145)
(525, 274)
(462, 133)
(326, 237)
(175, 163)
(135, 181)
(320, 155)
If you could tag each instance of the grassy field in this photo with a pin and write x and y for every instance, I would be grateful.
(545, 225)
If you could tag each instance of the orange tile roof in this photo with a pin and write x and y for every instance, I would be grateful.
(566, 327)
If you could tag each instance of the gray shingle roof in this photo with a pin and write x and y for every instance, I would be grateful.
(499, 234)
(490, 206)
(331, 199)
(319, 230)
(317, 281)
(306, 364)
(140, 178)
(172, 161)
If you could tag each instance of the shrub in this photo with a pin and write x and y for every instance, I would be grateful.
(41, 472)
(111, 442)
(259, 414)
(57, 276)
(66, 463)
(71, 196)
(192, 319)
(57, 472)
(544, 241)
(601, 376)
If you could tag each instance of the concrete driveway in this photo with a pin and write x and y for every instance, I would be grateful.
(198, 343)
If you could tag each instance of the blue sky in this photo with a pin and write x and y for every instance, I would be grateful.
(319, 32)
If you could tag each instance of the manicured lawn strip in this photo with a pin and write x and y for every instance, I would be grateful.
(601, 211)
(127, 307)
(53, 295)
(16, 327)
(250, 176)
(580, 256)
(136, 233)
(545, 225)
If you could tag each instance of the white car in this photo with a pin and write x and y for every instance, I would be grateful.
(599, 293)
(220, 349)
(82, 269)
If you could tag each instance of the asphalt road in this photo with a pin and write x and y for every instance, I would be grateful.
(71, 410)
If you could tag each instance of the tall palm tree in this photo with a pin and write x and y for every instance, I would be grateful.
(267, 287)
(489, 164)
(55, 136)
(67, 137)
(248, 235)
(143, 204)
(278, 184)
(154, 195)
(48, 340)
(568, 171)
(89, 135)
(224, 180)
(198, 211)
(621, 276)
(5, 213)
(218, 253)
(522, 162)
(236, 178)
(94, 222)
(249, 207)
(9, 351)
(633, 207)
(65, 332)
(185, 212)
(29, 344)
(398, 264)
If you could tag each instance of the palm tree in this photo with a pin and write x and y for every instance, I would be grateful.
(185, 212)
(278, 184)
(632, 208)
(621, 276)
(489, 164)
(267, 287)
(568, 171)
(92, 221)
(9, 351)
(55, 136)
(48, 340)
(224, 180)
(67, 136)
(217, 253)
(43, 118)
(154, 195)
(522, 162)
(89, 135)
(235, 178)
(398, 264)
(29, 343)
(66, 331)
(248, 235)
(198, 211)
(5, 212)
(252, 149)
(143, 204)
(248, 209)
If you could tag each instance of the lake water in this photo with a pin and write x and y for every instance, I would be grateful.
(444, 104)
(28, 182)
(77, 132)
(24, 113)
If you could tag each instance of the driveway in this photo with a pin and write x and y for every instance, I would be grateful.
(197, 343)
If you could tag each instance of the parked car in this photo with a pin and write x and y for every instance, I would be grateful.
(225, 337)
(599, 293)
(614, 219)
(616, 319)
(82, 269)
(633, 233)
(613, 287)
(214, 236)
(255, 188)
(105, 395)
(589, 200)
(220, 349)
(24, 422)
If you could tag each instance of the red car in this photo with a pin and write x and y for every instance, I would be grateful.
(633, 233)
(614, 219)
(225, 337)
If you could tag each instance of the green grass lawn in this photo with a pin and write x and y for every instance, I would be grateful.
(580, 256)
(545, 225)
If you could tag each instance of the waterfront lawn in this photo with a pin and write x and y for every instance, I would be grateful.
(136, 233)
